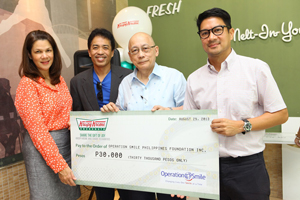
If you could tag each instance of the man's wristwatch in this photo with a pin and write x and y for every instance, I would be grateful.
(247, 126)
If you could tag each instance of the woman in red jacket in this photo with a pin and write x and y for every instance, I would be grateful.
(44, 103)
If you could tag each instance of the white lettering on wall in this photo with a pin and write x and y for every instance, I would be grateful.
(164, 9)
(287, 32)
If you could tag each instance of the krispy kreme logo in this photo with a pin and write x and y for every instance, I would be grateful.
(128, 23)
(92, 125)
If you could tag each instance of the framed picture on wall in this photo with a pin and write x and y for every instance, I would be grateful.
(11, 127)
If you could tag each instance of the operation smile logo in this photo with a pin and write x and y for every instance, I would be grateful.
(92, 125)
(188, 176)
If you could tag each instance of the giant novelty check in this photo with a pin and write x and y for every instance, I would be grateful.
(173, 152)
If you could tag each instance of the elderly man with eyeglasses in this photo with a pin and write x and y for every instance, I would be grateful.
(248, 102)
(150, 87)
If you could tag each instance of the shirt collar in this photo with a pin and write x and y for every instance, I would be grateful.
(228, 61)
(156, 72)
(42, 82)
(96, 78)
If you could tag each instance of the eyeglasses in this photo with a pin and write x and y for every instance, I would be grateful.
(217, 30)
(145, 49)
(100, 94)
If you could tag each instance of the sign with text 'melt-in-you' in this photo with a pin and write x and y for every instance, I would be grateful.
(287, 32)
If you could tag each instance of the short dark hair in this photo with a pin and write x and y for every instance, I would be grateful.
(102, 32)
(214, 12)
(29, 69)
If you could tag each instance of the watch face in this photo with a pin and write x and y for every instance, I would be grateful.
(247, 126)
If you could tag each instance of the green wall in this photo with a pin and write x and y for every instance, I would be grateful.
(180, 46)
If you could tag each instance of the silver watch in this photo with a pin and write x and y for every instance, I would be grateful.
(247, 126)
